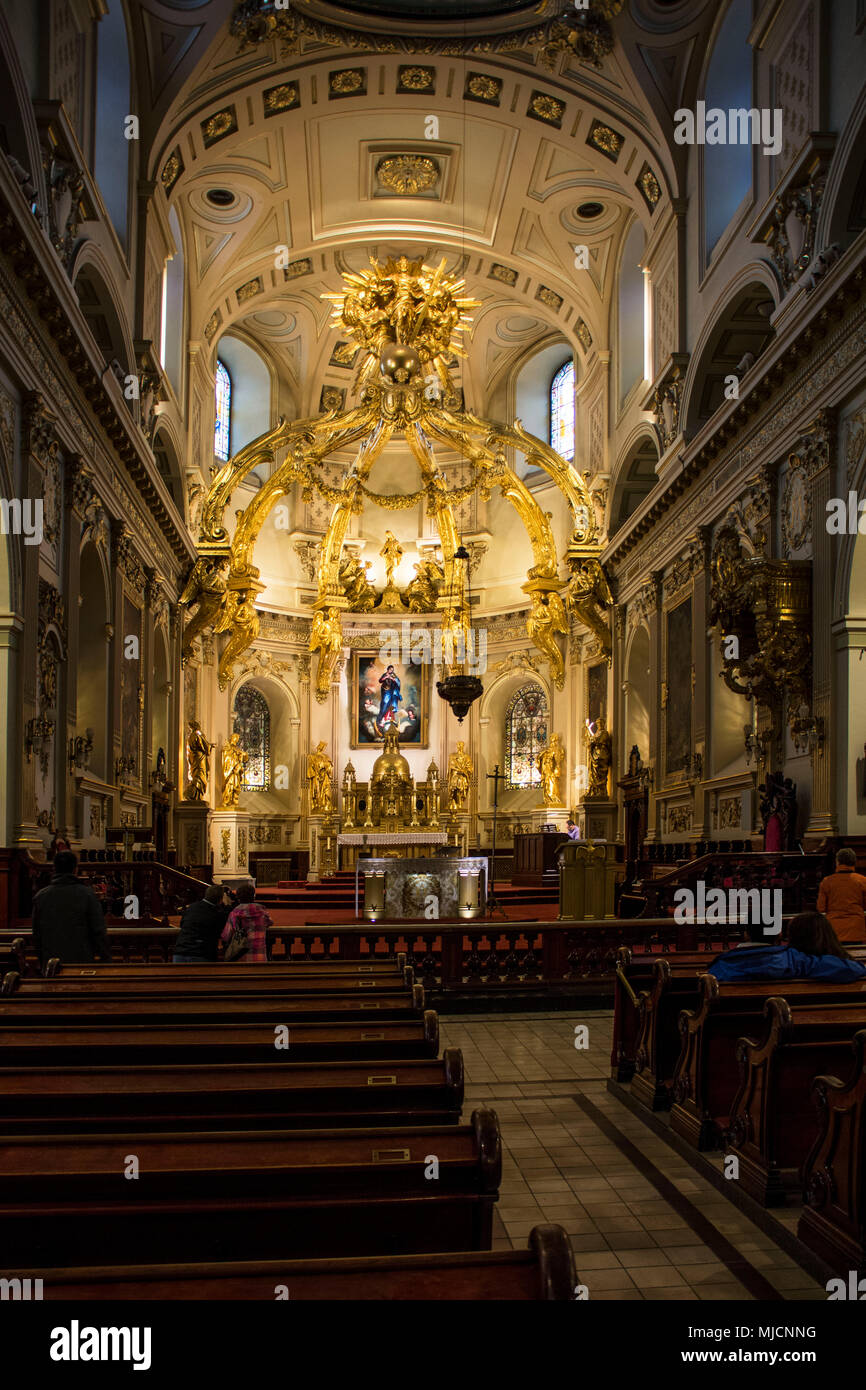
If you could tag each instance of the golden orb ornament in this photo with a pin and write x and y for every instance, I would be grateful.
(398, 364)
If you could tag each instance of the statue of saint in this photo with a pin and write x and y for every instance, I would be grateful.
(392, 553)
(320, 771)
(198, 751)
(422, 592)
(546, 618)
(550, 765)
(459, 777)
(600, 756)
(234, 761)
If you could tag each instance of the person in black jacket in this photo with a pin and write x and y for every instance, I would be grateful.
(67, 918)
(200, 928)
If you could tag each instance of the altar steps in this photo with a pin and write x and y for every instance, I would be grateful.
(339, 893)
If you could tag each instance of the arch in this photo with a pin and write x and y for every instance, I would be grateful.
(251, 718)
(173, 333)
(159, 699)
(527, 717)
(252, 384)
(843, 211)
(561, 432)
(631, 327)
(19, 136)
(531, 390)
(101, 307)
(635, 477)
(727, 169)
(638, 695)
(112, 150)
(91, 699)
(287, 772)
(168, 463)
(742, 325)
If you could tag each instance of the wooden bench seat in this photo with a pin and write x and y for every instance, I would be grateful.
(88, 984)
(271, 969)
(833, 1221)
(87, 1009)
(674, 985)
(543, 1271)
(772, 1123)
(163, 1044)
(69, 1100)
(634, 978)
(65, 1201)
(706, 1078)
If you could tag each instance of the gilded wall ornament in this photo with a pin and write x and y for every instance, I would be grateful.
(549, 297)
(295, 269)
(583, 335)
(481, 87)
(796, 508)
(282, 98)
(212, 325)
(250, 290)
(172, 170)
(546, 108)
(416, 79)
(217, 127)
(408, 174)
(348, 82)
(607, 141)
(649, 186)
(503, 273)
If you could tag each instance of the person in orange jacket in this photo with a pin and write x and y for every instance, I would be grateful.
(842, 898)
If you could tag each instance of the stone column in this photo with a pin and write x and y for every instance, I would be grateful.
(819, 451)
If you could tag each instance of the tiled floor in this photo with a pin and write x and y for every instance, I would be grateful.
(643, 1223)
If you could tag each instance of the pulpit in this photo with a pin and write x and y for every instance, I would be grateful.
(588, 875)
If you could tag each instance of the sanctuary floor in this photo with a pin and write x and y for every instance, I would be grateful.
(643, 1223)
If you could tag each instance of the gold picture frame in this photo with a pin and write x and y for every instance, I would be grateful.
(366, 701)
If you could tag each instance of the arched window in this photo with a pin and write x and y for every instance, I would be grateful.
(223, 428)
(562, 412)
(632, 325)
(728, 167)
(525, 736)
(173, 299)
(113, 105)
(252, 720)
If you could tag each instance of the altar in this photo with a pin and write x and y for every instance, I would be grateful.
(422, 889)
(397, 844)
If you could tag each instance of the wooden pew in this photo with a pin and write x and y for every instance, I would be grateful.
(543, 1271)
(272, 969)
(772, 1124)
(226, 1096)
(674, 984)
(833, 1222)
(65, 1201)
(88, 1009)
(170, 1043)
(706, 1078)
(236, 983)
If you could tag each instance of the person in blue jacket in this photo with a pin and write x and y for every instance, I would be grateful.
(813, 952)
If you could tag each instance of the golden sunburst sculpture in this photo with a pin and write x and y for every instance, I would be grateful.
(408, 319)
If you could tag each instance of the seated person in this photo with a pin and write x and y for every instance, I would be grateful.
(200, 928)
(572, 830)
(842, 896)
(813, 952)
(251, 921)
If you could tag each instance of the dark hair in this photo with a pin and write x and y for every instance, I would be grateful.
(846, 856)
(246, 893)
(214, 894)
(65, 862)
(813, 934)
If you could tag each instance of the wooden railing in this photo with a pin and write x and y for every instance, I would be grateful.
(153, 892)
(545, 960)
(797, 875)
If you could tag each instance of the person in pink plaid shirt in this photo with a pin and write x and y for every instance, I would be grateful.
(248, 916)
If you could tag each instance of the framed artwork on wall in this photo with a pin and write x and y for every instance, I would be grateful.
(387, 694)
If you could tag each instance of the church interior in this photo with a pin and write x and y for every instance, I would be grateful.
(431, 444)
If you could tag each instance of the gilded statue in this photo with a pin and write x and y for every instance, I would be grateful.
(392, 554)
(546, 618)
(198, 751)
(320, 772)
(242, 621)
(206, 586)
(422, 592)
(550, 765)
(600, 756)
(456, 636)
(459, 777)
(235, 760)
(590, 599)
(326, 638)
(356, 585)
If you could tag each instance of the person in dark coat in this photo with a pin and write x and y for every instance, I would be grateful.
(200, 928)
(67, 918)
(813, 952)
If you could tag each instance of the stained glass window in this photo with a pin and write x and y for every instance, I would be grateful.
(562, 412)
(252, 720)
(223, 429)
(525, 736)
